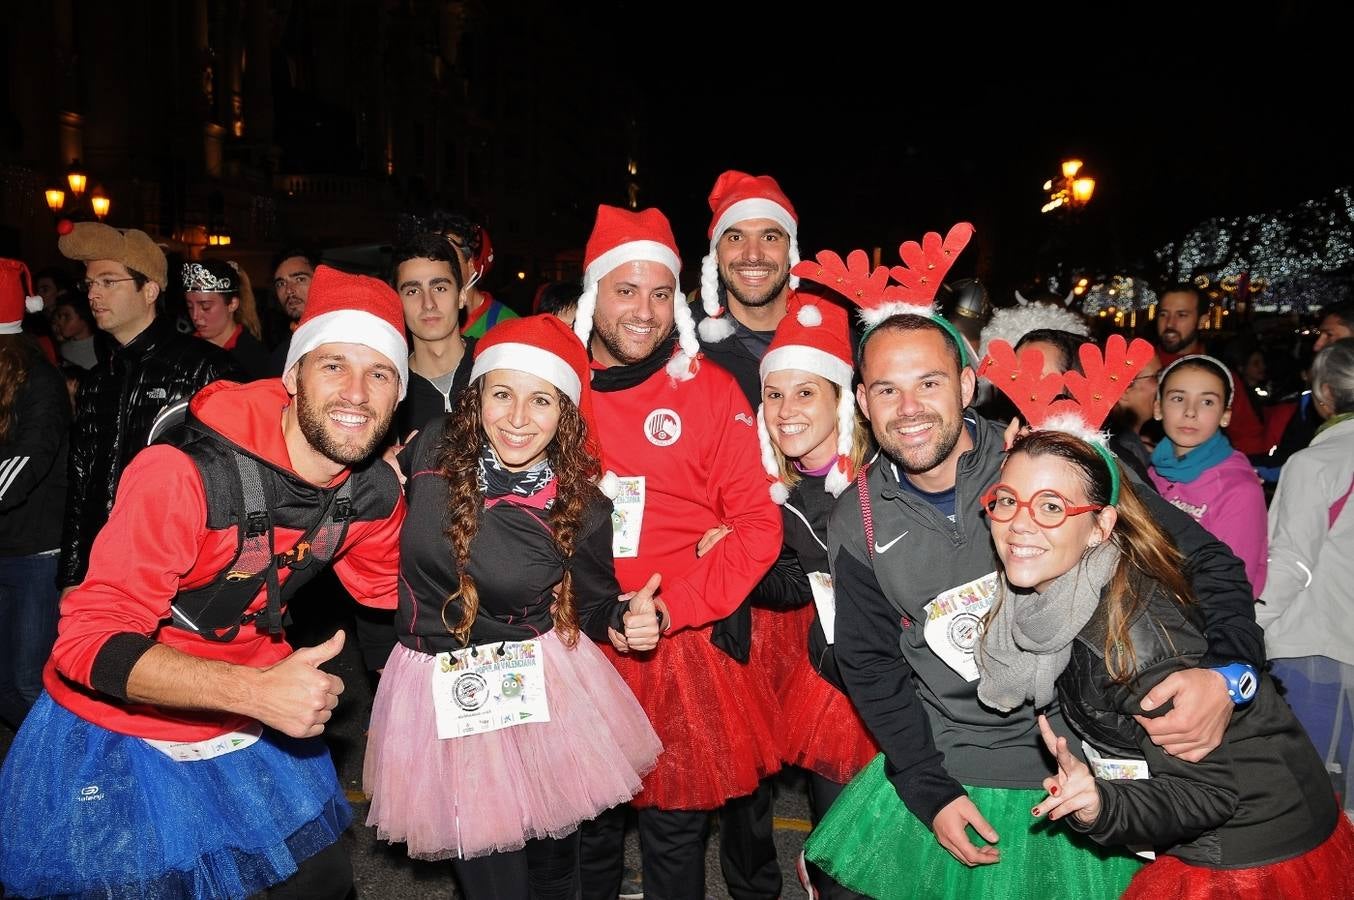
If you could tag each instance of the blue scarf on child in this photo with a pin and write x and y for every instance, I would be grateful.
(1184, 469)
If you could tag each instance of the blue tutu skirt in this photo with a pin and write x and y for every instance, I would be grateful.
(86, 812)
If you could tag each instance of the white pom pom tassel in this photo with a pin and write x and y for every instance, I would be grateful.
(609, 485)
(712, 330)
(809, 316)
(33, 304)
(587, 305)
(794, 261)
(779, 493)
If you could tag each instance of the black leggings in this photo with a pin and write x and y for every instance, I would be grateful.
(328, 875)
(543, 870)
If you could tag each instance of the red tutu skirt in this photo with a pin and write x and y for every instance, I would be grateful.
(822, 730)
(779, 641)
(714, 716)
(1325, 872)
(481, 793)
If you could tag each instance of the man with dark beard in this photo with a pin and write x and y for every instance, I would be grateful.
(745, 278)
(680, 444)
(176, 719)
(1179, 312)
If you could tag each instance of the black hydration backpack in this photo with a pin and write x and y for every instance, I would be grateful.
(235, 485)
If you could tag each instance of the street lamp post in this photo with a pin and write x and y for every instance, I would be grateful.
(77, 202)
(1067, 195)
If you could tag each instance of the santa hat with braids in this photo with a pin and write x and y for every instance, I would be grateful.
(737, 197)
(813, 337)
(619, 237)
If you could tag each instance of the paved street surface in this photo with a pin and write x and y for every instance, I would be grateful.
(383, 871)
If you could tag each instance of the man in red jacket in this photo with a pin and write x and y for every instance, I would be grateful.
(680, 449)
(175, 750)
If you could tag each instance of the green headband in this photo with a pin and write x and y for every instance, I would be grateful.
(940, 320)
(1113, 467)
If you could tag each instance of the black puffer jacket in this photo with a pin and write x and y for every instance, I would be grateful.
(117, 403)
(1261, 797)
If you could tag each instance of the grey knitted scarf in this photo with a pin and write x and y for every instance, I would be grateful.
(1028, 640)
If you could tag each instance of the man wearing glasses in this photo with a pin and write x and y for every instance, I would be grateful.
(152, 366)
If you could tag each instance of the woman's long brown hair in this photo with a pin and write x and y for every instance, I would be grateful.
(575, 471)
(1145, 549)
(18, 354)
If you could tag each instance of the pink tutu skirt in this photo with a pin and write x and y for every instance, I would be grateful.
(483, 793)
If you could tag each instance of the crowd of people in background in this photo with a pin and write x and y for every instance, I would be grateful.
(624, 556)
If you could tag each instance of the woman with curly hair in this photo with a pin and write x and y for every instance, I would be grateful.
(499, 726)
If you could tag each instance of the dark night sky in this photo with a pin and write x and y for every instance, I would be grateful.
(876, 141)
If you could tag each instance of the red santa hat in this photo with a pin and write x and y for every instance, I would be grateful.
(352, 309)
(813, 337)
(545, 347)
(16, 296)
(621, 236)
(735, 198)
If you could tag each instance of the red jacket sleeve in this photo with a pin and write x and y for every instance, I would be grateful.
(369, 564)
(150, 542)
(737, 491)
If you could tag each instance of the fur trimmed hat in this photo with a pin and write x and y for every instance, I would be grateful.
(16, 296)
(621, 236)
(352, 309)
(134, 249)
(544, 346)
(735, 198)
(813, 337)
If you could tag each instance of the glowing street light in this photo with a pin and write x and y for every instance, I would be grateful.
(56, 198)
(77, 179)
(1069, 190)
(99, 202)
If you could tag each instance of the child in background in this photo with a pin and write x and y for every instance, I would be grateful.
(1195, 467)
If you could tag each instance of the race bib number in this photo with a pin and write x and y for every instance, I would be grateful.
(826, 604)
(954, 623)
(184, 751)
(488, 687)
(627, 517)
(1109, 768)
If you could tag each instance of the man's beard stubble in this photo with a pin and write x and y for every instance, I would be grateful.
(314, 430)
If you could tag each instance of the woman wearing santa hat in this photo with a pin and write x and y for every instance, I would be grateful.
(499, 726)
(35, 417)
(813, 443)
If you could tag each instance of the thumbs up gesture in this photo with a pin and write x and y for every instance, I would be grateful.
(294, 695)
(642, 618)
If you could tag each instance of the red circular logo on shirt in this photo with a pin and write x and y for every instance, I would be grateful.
(663, 427)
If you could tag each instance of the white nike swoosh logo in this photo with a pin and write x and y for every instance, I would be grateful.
(879, 549)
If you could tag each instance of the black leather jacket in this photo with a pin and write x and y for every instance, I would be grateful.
(1262, 796)
(117, 403)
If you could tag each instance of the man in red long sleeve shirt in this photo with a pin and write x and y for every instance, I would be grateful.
(175, 750)
(1178, 314)
(680, 440)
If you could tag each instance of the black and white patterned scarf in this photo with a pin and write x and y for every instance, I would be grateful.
(497, 481)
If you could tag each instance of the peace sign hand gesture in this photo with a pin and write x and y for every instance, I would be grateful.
(1073, 789)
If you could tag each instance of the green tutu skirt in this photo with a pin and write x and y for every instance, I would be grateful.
(869, 842)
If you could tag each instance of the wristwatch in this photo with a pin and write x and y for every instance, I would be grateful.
(1242, 682)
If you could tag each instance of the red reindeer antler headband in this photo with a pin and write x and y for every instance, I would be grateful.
(1041, 400)
(915, 282)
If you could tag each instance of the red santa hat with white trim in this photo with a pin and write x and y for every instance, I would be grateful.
(619, 237)
(813, 337)
(16, 296)
(352, 309)
(737, 197)
(545, 347)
